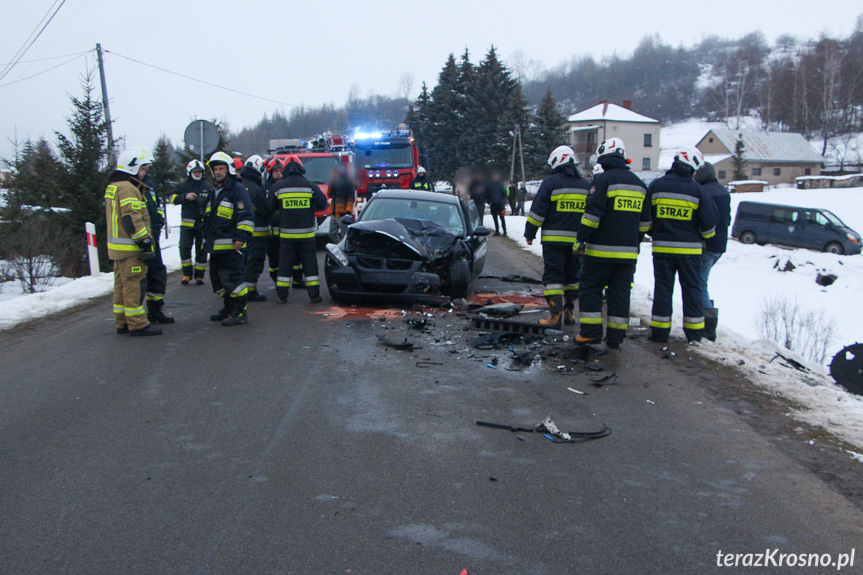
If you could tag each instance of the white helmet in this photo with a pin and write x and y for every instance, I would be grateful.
(131, 160)
(692, 157)
(257, 163)
(194, 165)
(222, 158)
(560, 156)
(597, 169)
(421, 171)
(611, 146)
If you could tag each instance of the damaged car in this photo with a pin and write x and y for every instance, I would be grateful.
(408, 246)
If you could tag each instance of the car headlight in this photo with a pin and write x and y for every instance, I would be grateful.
(853, 238)
(338, 254)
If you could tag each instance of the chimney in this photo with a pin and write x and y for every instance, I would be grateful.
(627, 104)
(604, 106)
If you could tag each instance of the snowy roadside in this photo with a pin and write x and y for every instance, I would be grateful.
(68, 294)
(741, 280)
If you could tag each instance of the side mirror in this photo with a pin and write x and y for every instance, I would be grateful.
(481, 231)
(347, 220)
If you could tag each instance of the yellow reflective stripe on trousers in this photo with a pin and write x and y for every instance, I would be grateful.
(678, 251)
(135, 310)
(590, 317)
(699, 325)
(119, 309)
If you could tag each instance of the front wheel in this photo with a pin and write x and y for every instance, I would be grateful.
(459, 278)
(834, 248)
(748, 237)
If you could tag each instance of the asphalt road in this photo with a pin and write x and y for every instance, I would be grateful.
(299, 444)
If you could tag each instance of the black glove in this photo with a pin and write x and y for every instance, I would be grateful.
(146, 246)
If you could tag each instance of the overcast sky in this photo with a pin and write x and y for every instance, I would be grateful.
(307, 53)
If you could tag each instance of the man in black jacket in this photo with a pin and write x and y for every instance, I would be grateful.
(557, 209)
(683, 216)
(421, 182)
(192, 195)
(477, 191)
(256, 252)
(229, 225)
(715, 246)
(294, 200)
(615, 219)
(496, 196)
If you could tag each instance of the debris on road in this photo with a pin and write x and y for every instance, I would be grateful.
(501, 309)
(610, 379)
(847, 368)
(576, 391)
(404, 345)
(549, 429)
(792, 362)
(513, 278)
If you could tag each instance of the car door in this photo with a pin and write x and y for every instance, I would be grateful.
(818, 232)
(786, 227)
(478, 245)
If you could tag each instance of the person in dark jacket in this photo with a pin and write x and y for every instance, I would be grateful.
(256, 252)
(683, 215)
(157, 273)
(615, 219)
(496, 195)
(421, 182)
(715, 246)
(229, 225)
(191, 195)
(294, 199)
(477, 191)
(520, 199)
(557, 209)
(344, 197)
(512, 196)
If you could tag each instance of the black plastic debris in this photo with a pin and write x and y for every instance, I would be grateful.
(418, 323)
(825, 279)
(514, 279)
(549, 429)
(595, 367)
(523, 356)
(501, 309)
(494, 340)
(405, 345)
(504, 325)
(792, 362)
(847, 368)
(609, 379)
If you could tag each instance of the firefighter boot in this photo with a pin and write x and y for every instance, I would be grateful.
(223, 313)
(145, 331)
(155, 313)
(711, 320)
(569, 308)
(186, 279)
(238, 314)
(555, 306)
(255, 295)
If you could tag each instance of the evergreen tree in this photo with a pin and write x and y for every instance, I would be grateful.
(545, 134)
(35, 180)
(164, 171)
(738, 160)
(444, 121)
(418, 119)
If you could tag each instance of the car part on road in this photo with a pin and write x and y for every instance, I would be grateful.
(847, 368)
(508, 326)
(501, 309)
(405, 345)
(493, 340)
(792, 362)
(547, 426)
(514, 279)
(610, 379)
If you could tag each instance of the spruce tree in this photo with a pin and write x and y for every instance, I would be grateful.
(164, 171)
(418, 119)
(738, 160)
(545, 134)
(445, 121)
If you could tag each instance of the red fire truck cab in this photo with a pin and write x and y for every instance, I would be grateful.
(385, 159)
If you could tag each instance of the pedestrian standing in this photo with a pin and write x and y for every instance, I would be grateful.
(615, 219)
(715, 246)
(496, 194)
(130, 241)
(192, 196)
(256, 251)
(521, 198)
(512, 196)
(477, 191)
(683, 216)
(557, 209)
(229, 225)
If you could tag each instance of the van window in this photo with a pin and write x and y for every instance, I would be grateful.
(816, 218)
(783, 216)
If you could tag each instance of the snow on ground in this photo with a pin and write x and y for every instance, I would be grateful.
(66, 293)
(743, 278)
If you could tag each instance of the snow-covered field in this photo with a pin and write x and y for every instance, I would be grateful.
(64, 294)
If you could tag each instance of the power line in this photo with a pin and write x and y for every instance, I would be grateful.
(47, 69)
(48, 58)
(26, 46)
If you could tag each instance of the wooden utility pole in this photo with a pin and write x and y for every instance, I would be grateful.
(105, 100)
(516, 145)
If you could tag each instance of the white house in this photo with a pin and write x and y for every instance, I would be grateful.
(640, 134)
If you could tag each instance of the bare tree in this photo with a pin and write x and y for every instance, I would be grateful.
(405, 88)
(808, 332)
(35, 253)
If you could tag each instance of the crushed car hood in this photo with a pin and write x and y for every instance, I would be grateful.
(401, 237)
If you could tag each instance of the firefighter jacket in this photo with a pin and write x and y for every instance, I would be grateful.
(127, 216)
(252, 182)
(294, 201)
(683, 214)
(616, 215)
(192, 211)
(155, 209)
(228, 216)
(421, 183)
(558, 206)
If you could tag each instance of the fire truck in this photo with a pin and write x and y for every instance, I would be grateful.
(319, 157)
(385, 159)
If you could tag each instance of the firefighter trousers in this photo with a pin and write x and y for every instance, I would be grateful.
(130, 286)
(256, 254)
(192, 238)
(616, 278)
(273, 256)
(291, 251)
(226, 274)
(157, 280)
(562, 270)
(688, 270)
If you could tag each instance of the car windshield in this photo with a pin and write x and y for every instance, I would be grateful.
(384, 157)
(445, 215)
(318, 168)
(834, 219)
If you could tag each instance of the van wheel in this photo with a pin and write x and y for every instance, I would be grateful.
(748, 237)
(834, 248)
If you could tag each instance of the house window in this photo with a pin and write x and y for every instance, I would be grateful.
(645, 163)
(591, 138)
(807, 171)
(648, 142)
(777, 171)
(756, 171)
(710, 140)
(721, 174)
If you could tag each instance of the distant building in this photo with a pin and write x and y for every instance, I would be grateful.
(775, 157)
(640, 134)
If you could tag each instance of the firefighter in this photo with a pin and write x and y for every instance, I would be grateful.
(615, 220)
(256, 252)
(228, 226)
(130, 241)
(274, 167)
(192, 195)
(421, 182)
(157, 273)
(295, 199)
(557, 209)
(683, 216)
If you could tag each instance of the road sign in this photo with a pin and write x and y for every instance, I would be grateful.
(201, 138)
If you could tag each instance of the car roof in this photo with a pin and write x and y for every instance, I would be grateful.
(750, 203)
(417, 195)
